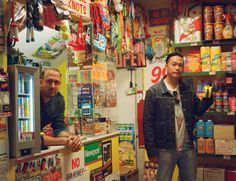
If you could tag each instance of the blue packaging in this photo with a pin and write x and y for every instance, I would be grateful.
(200, 128)
(209, 128)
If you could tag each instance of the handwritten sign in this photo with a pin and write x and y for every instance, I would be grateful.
(79, 7)
(159, 17)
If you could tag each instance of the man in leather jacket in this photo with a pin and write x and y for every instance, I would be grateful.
(170, 109)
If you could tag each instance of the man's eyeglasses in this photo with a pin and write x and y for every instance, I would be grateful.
(177, 101)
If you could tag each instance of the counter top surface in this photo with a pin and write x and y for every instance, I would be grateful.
(58, 148)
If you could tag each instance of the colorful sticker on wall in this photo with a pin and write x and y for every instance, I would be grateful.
(127, 155)
(92, 152)
(107, 158)
(44, 168)
(97, 174)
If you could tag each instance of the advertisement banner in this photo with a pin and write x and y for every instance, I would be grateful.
(74, 168)
(92, 152)
(107, 158)
(159, 17)
(79, 7)
(140, 105)
(97, 175)
(39, 168)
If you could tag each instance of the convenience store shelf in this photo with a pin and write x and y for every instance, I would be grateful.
(207, 73)
(196, 44)
(219, 42)
(206, 43)
(220, 113)
(212, 160)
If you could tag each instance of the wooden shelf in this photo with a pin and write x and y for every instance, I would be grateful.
(207, 73)
(208, 160)
(220, 113)
(196, 44)
(219, 42)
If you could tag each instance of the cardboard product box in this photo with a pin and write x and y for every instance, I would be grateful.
(214, 174)
(224, 132)
(225, 147)
(129, 175)
(199, 174)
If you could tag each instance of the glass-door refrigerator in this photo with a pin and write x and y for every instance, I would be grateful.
(24, 124)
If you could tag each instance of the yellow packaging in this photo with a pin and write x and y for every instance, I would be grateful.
(205, 58)
(226, 61)
(216, 58)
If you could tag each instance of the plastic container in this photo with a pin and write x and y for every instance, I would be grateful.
(209, 128)
(200, 128)
(210, 146)
(201, 145)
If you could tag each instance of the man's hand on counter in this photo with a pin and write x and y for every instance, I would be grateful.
(74, 142)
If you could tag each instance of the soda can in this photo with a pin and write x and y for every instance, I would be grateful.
(20, 81)
(26, 106)
(27, 83)
(21, 107)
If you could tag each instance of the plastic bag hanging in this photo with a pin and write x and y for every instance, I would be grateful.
(79, 42)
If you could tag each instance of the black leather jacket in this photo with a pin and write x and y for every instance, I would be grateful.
(159, 115)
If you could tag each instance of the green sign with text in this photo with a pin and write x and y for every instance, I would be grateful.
(92, 152)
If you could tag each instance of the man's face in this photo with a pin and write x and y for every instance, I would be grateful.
(175, 66)
(50, 83)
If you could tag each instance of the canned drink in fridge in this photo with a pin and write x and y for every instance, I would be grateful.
(20, 107)
(26, 106)
(20, 83)
(27, 83)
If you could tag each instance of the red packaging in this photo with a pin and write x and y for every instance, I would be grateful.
(232, 104)
(230, 175)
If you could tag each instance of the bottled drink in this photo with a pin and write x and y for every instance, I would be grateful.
(201, 145)
(210, 146)
(200, 128)
(209, 128)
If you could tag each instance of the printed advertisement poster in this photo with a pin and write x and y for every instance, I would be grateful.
(159, 17)
(107, 158)
(150, 171)
(93, 152)
(127, 155)
(140, 105)
(40, 169)
(97, 175)
(75, 169)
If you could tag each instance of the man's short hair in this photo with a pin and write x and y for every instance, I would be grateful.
(49, 68)
(172, 55)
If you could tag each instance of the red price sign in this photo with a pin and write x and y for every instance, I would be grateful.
(157, 73)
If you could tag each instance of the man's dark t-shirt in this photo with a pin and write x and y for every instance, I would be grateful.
(53, 112)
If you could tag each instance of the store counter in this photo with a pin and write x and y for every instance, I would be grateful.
(98, 159)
